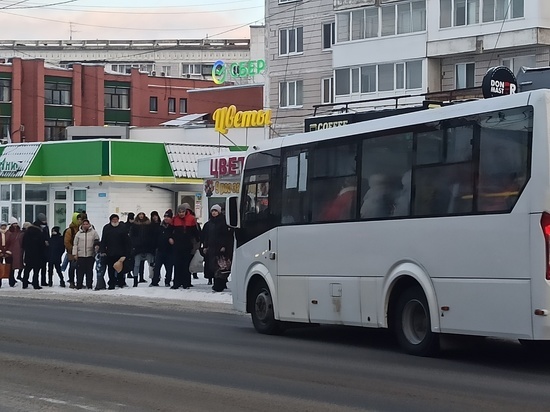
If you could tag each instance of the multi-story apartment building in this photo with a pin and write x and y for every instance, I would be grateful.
(171, 58)
(390, 48)
(299, 37)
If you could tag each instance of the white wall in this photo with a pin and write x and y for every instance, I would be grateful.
(199, 136)
(379, 50)
(121, 198)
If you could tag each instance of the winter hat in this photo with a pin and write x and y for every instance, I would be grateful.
(216, 207)
(131, 216)
(56, 229)
(154, 213)
(42, 217)
(75, 218)
(113, 216)
(184, 207)
(3, 223)
(169, 213)
(13, 221)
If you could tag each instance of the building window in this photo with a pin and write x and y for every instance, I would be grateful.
(55, 129)
(207, 69)
(465, 75)
(183, 106)
(465, 12)
(413, 74)
(5, 90)
(327, 92)
(291, 93)
(516, 63)
(291, 41)
(379, 78)
(127, 68)
(117, 98)
(388, 20)
(79, 198)
(342, 27)
(458, 12)
(166, 71)
(57, 93)
(328, 35)
(386, 77)
(498, 10)
(4, 128)
(191, 69)
(171, 105)
(153, 104)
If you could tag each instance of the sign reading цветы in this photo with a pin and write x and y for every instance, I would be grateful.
(228, 117)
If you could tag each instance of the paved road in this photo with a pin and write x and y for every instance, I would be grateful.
(73, 356)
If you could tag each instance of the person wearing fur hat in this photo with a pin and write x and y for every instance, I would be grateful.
(16, 241)
(115, 245)
(142, 237)
(216, 241)
(186, 232)
(164, 254)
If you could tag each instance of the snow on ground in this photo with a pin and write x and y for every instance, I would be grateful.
(199, 297)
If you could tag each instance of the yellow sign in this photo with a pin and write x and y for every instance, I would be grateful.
(228, 117)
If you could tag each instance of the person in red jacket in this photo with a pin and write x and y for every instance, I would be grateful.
(5, 249)
(185, 233)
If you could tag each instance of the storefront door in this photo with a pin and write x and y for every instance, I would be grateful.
(66, 201)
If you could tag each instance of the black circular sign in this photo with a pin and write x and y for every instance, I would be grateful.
(499, 81)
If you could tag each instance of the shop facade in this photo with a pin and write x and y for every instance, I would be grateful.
(100, 177)
(221, 176)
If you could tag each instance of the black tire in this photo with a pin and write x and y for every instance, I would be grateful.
(537, 347)
(412, 326)
(263, 316)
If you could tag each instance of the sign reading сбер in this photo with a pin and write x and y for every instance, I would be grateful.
(222, 70)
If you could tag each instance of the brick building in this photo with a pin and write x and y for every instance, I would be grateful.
(38, 101)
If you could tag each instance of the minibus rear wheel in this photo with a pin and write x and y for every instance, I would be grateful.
(411, 324)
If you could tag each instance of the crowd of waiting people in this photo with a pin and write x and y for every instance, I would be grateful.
(172, 242)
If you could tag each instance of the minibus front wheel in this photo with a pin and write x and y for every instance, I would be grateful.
(263, 315)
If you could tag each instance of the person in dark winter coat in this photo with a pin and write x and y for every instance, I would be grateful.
(217, 241)
(42, 223)
(34, 249)
(55, 252)
(130, 218)
(142, 237)
(185, 233)
(155, 218)
(115, 244)
(164, 254)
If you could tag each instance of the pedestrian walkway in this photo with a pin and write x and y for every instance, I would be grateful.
(200, 292)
